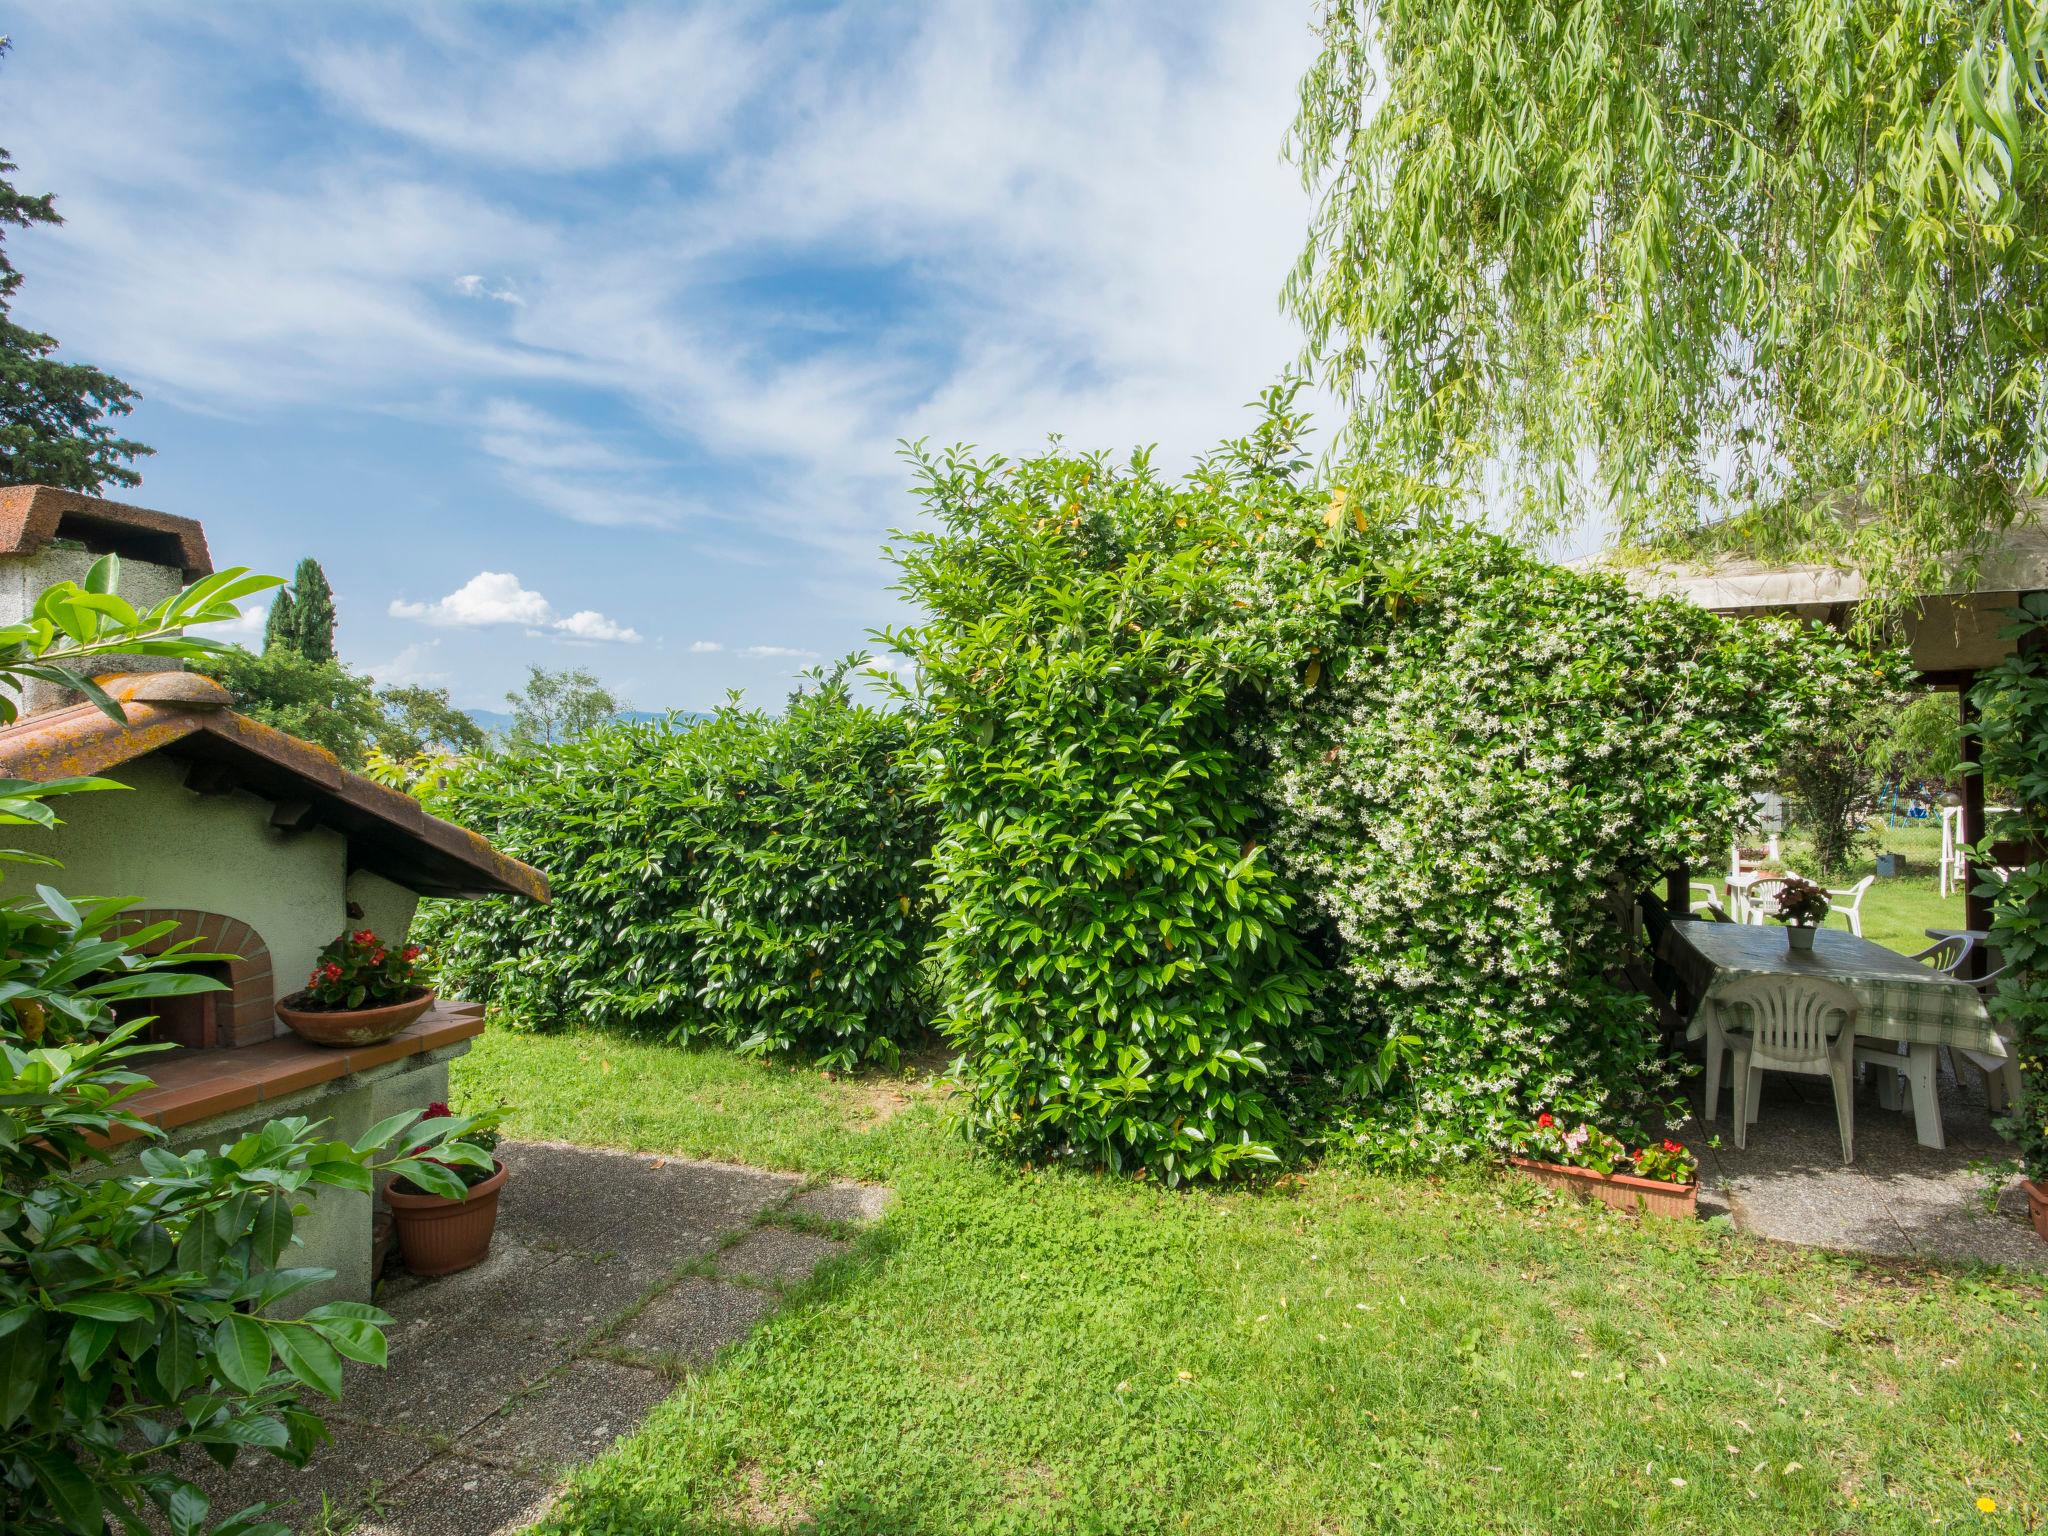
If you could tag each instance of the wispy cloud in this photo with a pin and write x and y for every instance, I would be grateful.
(705, 647)
(638, 85)
(789, 652)
(750, 249)
(474, 285)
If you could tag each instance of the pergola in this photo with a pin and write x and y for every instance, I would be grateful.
(1951, 631)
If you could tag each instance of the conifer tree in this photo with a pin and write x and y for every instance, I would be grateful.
(279, 628)
(312, 614)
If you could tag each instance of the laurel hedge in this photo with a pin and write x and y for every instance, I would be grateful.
(750, 879)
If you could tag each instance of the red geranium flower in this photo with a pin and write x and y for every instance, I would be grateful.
(1545, 1121)
(376, 957)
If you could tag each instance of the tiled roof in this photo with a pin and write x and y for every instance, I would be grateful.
(187, 717)
(32, 515)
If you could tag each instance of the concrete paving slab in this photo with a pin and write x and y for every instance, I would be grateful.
(503, 1362)
(843, 1202)
(575, 1196)
(692, 1322)
(454, 1497)
(776, 1256)
(338, 1477)
(424, 1306)
(446, 1381)
(569, 1418)
(581, 1292)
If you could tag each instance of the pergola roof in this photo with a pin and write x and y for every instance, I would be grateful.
(1950, 629)
(186, 717)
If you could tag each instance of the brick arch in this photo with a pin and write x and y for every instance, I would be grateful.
(247, 1013)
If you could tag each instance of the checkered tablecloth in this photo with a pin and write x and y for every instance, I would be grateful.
(1897, 998)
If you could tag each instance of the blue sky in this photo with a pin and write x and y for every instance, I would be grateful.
(585, 335)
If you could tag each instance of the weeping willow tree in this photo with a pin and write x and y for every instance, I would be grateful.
(1670, 259)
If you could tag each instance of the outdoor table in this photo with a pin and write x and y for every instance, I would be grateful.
(1981, 935)
(1740, 885)
(1897, 1000)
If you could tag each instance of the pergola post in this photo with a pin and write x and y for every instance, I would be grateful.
(1976, 908)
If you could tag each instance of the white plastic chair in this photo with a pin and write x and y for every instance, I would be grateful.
(1945, 956)
(1802, 1024)
(1704, 897)
(1762, 897)
(1849, 903)
(2001, 1073)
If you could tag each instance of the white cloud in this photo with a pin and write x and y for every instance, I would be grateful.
(489, 597)
(473, 286)
(588, 624)
(705, 647)
(496, 597)
(410, 667)
(777, 651)
(242, 630)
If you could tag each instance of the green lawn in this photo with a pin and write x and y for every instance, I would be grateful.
(1897, 912)
(1051, 1352)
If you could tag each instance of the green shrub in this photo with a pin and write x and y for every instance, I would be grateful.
(2012, 709)
(1115, 956)
(749, 879)
(1499, 753)
(135, 1317)
(1272, 810)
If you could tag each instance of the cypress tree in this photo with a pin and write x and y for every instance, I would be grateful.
(280, 628)
(312, 618)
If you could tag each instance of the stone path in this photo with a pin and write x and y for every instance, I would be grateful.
(1897, 1199)
(611, 1277)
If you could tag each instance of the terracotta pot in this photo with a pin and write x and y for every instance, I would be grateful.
(1623, 1191)
(351, 1026)
(2037, 1205)
(438, 1236)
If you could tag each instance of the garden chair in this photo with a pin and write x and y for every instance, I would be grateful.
(1849, 903)
(1801, 1024)
(2001, 1074)
(1946, 956)
(1705, 898)
(1763, 896)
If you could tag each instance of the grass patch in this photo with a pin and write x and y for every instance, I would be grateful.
(1018, 1352)
(1897, 911)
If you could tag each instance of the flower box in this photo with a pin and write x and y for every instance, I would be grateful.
(1623, 1191)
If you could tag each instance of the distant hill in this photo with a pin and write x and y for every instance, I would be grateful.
(498, 722)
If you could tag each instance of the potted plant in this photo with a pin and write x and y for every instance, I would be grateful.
(446, 1206)
(361, 991)
(1661, 1178)
(1802, 907)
